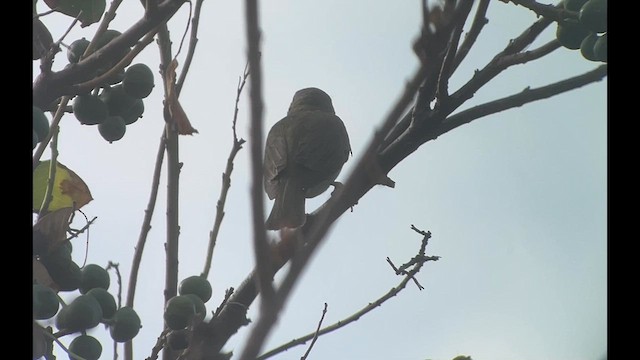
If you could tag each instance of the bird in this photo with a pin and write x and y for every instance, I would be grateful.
(304, 153)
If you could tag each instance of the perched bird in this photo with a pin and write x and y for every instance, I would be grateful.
(303, 155)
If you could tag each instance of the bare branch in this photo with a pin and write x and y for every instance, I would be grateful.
(357, 315)
(526, 96)
(442, 91)
(117, 68)
(146, 222)
(160, 342)
(227, 296)
(226, 180)
(193, 41)
(173, 180)
(479, 21)
(53, 128)
(261, 247)
(315, 336)
(555, 12)
(50, 86)
(526, 56)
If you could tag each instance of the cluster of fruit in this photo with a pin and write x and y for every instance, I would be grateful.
(120, 102)
(93, 306)
(40, 126)
(589, 33)
(181, 310)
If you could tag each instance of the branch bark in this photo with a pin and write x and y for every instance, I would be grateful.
(49, 86)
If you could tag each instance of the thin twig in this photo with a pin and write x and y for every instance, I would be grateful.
(116, 267)
(55, 123)
(261, 248)
(78, 232)
(315, 336)
(227, 296)
(193, 41)
(526, 96)
(479, 21)
(108, 16)
(555, 12)
(146, 223)
(53, 163)
(355, 316)
(495, 67)
(226, 180)
(52, 337)
(445, 73)
(160, 342)
(530, 55)
(47, 61)
(184, 33)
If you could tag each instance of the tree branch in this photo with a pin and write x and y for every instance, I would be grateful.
(526, 96)
(226, 179)
(146, 222)
(409, 275)
(555, 12)
(479, 21)
(315, 336)
(261, 247)
(50, 86)
(193, 41)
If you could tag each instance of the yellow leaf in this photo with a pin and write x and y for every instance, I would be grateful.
(69, 190)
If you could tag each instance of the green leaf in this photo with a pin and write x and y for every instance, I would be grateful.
(90, 11)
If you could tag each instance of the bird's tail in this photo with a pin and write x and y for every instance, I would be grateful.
(288, 209)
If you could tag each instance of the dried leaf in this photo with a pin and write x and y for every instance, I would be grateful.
(41, 275)
(41, 344)
(42, 39)
(177, 113)
(52, 228)
(69, 190)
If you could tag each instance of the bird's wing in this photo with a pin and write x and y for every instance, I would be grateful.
(275, 157)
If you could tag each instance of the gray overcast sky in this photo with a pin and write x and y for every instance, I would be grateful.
(516, 202)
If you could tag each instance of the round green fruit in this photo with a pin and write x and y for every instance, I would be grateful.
(84, 312)
(134, 113)
(117, 100)
(586, 47)
(85, 346)
(593, 15)
(179, 312)
(196, 285)
(126, 324)
(63, 271)
(570, 35)
(138, 81)
(106, 301)
(40, 123)
(89, 109)
(600, 48)
(113, 128)
(198, 303)
(45, 302)
(77, 49)
(93, 276)
(106, 37)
